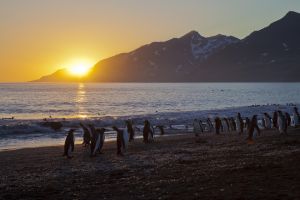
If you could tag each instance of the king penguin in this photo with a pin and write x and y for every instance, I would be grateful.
(95, 140)
(197, 127)
(130, 129)
(122, 140)
(267, 119)
(69, 143)
(281, 123)
(218, 125)
(253, 129)
(86, 135)
(296, 117)
(101, 133)
(239, 124)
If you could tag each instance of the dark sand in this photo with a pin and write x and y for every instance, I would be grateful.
(177, 167)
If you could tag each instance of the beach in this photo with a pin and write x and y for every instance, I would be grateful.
(174, 167)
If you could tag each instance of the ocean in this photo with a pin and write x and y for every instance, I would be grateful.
(174, 105)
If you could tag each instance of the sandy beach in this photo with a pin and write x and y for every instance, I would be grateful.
(176, 167)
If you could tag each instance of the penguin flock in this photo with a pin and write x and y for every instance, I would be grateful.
(280, 120)
(94, 138)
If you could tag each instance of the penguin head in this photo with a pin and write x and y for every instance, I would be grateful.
(71, 131)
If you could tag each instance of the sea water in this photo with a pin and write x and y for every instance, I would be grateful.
(106, 104)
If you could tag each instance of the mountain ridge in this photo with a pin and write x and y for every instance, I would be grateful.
(269, 54)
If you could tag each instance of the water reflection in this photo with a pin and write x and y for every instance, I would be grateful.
(80, 100)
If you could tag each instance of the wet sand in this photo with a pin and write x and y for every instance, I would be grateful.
(177, 167)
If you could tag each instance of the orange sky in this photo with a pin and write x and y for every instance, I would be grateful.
(39, 37)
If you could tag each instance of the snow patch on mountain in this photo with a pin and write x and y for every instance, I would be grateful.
(202, 47)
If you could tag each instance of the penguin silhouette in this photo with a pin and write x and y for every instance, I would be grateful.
(252, 129)
(86, 135)
(69, 143)
(130, 130)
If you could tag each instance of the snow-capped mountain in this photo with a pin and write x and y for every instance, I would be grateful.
(270, 54)
(202, 47)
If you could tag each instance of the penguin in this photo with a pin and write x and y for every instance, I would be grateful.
(101, 133)
(95, 140)
(281, 123)
(267, 120)
(197, 127)
(69, 143)
(247, 123)
(122, 140)
(86, 135)
(253, 129)
(288, 119)
(130, 130)
(209, 125)
(146, 131)
(239, 124)
(296, 117)
(232, 124)
(274, 119)
(218, 125)
(263, 124)
(152, 133)
(225, 125)
(161, 129)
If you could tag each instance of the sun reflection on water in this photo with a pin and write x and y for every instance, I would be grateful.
(80, 100)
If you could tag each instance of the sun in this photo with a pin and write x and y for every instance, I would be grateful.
(79, 68)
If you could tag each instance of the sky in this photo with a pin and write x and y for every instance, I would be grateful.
(38, 37)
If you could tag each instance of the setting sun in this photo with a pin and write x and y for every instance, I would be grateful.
(79, 68)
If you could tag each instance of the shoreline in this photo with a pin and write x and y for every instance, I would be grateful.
(178, 167)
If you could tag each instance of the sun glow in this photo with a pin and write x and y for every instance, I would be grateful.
(79, 67)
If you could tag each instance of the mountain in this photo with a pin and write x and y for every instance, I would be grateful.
(173, 60)
(61, 75)
(270, 54)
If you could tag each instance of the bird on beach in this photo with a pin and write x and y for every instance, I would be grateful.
(232, 124)
(218, 125)
(86, 135)
(95, 140)
(130, 129)
(209, 125)
(274, 119)
(69, 143)
(281, 123)
(247, 123)
(296, 117)
(288, 118)
(267, 120)
(148, 134)
(122, 140)
(101, 133)
(225, 124)
(161, 129)
(253, 130)
(239, 124)
(198, 127)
